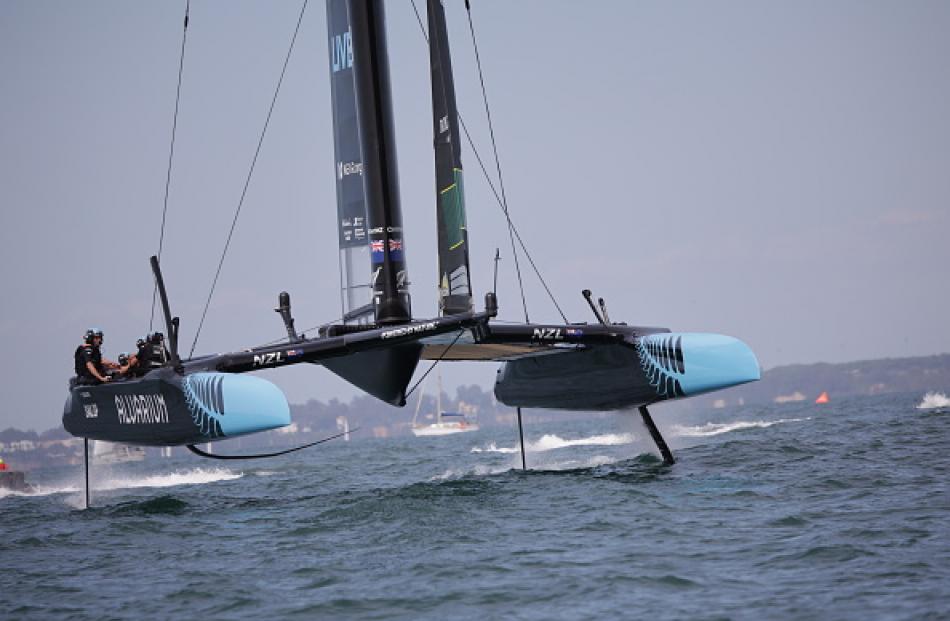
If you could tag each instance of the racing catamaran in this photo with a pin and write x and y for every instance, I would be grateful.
(379, 343)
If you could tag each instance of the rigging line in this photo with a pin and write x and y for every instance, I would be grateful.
(171, 153)
(501, 182)
(437, 361)
(247, 182)
(524, 248)
(491, 185)
(197, 451)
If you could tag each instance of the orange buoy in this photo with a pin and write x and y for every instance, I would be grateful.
(822, 398)
(3, 466)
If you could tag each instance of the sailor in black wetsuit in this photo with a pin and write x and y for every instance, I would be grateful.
(90, 366)
(151, 354)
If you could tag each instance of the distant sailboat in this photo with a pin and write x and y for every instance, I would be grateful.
(446, 422)
(343, 424)
(115, 453)
(822, 398)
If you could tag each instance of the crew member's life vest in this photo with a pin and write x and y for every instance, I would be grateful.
(88, 353)
(152, 356)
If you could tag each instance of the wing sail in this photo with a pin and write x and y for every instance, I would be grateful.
(355, 263)
(455, 289)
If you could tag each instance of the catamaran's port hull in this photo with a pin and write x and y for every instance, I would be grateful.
(638, 371)
(167, 409)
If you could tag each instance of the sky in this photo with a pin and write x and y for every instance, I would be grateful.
(775, 171)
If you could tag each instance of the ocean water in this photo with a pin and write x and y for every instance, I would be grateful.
(792, 511)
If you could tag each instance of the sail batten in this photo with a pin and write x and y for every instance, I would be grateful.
(455, 289)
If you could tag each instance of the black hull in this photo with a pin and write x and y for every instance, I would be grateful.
(609, 377)
(158, 416)
(636, 369)
(167, 409)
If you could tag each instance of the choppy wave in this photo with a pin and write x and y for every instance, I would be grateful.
(196, 476)
(934, 400)
(40, 490)
(481, 470)
(550, 442)
(714, 429)
(469, 533)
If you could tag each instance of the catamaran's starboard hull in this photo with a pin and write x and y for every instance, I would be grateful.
(167, 409)
(638, 371)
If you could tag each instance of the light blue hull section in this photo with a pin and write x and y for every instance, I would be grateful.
(229, 405)
(686, 364)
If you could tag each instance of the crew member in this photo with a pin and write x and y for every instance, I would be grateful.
(127, 364)
(90, 365)
(135, 367)
(152, 353)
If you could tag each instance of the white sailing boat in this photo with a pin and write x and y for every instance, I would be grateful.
(445, 422)
(115, 453)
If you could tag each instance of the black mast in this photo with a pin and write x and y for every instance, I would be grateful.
(380, 178)
(455, 290)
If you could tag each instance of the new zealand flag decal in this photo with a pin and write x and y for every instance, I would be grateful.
(376, 249)
(395, 249)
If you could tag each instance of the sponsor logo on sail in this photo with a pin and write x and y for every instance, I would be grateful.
(345, 169)
(379, 230)
(141, 409)
(341, 51)
(443, 124)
